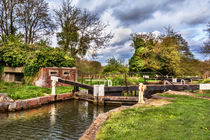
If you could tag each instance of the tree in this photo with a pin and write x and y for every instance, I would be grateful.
(162, 53)
(181, 42)
(146, 53)
(34, 19)
(206, 48)
(8, 16)
(114, 66)
(81, 30)
(89, 67)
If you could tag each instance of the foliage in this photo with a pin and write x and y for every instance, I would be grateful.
(32, 57)
(89, 67)
(1, 71)
(155, 54)
(114, 66)
(205, 81)
(168, 121)
(168, 54)
(81, 30)
(12, 52)
(46, 57)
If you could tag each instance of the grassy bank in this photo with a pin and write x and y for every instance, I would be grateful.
(205, 93)
(21, 91)
(186, 118)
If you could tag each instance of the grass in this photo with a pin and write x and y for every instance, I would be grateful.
(21, 91)
(205, 93)
(185, 118)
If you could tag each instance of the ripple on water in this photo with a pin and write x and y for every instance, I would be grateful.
(64, 120)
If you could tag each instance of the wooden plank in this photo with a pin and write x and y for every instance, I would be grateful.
(114, 90)
(120, 88)
(173, 87)
(76, 84)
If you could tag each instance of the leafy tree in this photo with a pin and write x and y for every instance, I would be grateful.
(34, 19)
(114, 66)
(81, 30)
(162, 53)
(46, 57)
(88, 67)
(181, 43)
(32, 57)
(145, 49)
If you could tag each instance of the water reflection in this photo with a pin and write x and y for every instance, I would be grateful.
(64, 120)
(52, 115)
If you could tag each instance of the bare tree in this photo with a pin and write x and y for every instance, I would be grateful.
(206, 47)
(81, 30)
(34, 19)
(8, 16)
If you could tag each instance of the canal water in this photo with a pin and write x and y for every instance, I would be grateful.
(63, 120)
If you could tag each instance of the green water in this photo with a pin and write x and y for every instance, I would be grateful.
(63, 120)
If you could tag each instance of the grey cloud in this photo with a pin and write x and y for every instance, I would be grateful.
(133, 15)
(197, 19)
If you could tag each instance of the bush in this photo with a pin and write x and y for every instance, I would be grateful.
(1, 71)
(205, 81)
(47, 57)
(33, 57)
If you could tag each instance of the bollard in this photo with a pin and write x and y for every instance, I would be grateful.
(141, 93)
(182, 82)
(98, 93)
(54, 80)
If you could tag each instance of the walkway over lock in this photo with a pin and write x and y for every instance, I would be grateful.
(117, 90)
(101, 93)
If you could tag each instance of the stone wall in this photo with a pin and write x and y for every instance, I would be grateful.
(11, 74)
(32, 103)
(44, 77)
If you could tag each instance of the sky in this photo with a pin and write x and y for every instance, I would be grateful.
(187, 17)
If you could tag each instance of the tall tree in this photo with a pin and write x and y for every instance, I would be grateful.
(181, 42)
(160, 53)
(81, 30)
(206, 48)
(34, 19)
(8, 16)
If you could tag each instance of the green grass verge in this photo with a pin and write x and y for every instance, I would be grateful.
(205, 93)
(21, 91)
(186, 118)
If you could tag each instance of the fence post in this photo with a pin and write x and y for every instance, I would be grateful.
(141, 93)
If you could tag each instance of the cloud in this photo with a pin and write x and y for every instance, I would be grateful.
(188, 17)
(121, 35)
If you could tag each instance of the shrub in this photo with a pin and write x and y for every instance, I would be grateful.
(33, 57)
(47, 57)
